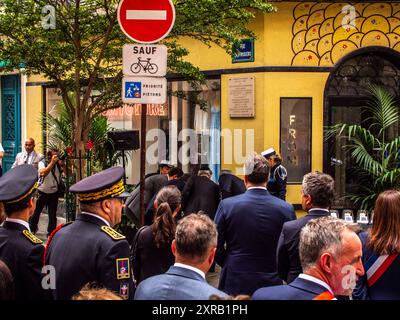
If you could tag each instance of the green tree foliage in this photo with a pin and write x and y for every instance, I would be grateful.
(83, 52)
(375, 149)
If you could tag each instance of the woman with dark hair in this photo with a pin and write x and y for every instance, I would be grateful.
(381, 248)
(151, 249)
(7, 291)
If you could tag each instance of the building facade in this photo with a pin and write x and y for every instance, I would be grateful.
(308, 67)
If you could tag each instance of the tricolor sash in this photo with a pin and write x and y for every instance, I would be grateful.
(325, 296)
(376, 266)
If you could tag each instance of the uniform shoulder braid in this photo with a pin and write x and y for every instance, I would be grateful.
(31, 237)
(112, 233)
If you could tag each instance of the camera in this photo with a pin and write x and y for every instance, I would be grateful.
(62, 157)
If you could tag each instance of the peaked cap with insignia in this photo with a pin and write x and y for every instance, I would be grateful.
(103, 185)
(19, 183)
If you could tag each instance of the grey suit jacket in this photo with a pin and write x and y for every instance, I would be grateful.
(176, 284)
(22, 157)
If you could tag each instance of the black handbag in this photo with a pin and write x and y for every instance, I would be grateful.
(60, 184)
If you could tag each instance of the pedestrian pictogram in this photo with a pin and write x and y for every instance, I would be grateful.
(146, 21)
(144, 90)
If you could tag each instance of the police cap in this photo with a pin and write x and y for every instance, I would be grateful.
(268, 153)
(18, 183)
(100, 186)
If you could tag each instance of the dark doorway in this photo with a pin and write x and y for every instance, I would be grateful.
(346, 95)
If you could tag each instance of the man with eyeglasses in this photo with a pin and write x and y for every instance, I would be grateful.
(29, 156)
(89, 249)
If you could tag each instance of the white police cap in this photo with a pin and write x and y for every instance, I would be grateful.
(268, 153)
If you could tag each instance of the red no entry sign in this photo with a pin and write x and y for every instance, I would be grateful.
(146, 21)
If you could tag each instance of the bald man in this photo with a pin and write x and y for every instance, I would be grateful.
(29, 156)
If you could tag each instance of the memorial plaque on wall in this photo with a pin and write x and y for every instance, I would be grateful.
(241, 97)
(296, 137)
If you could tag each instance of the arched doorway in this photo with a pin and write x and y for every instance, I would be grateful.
(346, 95)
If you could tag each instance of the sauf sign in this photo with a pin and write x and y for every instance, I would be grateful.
(146, 22)
(144, 60)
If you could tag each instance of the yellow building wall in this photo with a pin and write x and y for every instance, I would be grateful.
(298, 34)
(308, 85)
(257, 123)
(34, 104)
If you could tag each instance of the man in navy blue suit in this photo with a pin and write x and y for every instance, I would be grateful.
(194, 250)
(330, 254)
(316, 197)
(248, 227)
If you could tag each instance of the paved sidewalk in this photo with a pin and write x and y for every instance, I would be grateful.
(42, 227)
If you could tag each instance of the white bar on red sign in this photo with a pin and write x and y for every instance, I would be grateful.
(146, 15)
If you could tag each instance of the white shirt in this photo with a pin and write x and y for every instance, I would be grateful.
(181, 265)
(98, 217)
(316, 280)
(24, 223)
(29, 158)
(263, 188)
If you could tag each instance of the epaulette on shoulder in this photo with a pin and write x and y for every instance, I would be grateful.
(31, 237)
(112, 233)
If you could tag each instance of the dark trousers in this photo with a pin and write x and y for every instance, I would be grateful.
(51, 200)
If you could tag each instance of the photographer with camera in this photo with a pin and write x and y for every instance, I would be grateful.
(51, 188)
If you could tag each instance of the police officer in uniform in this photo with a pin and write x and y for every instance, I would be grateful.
(89, 249)
(19, 248)
(277, 174)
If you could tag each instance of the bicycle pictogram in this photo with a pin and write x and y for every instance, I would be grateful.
(146, 65)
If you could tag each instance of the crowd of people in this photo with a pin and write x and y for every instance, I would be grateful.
(192, 224)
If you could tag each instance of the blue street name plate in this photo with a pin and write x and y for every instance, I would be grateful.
(246, 52)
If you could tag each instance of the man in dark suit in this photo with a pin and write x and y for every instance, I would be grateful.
(248, 231)
(316, 197)
(152, 184)
(230, 185)
(19, 248)
(89, 249)
(330, 254)
(201, 193)
(194, 249)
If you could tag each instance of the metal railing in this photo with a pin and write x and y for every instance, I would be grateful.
(74, 164)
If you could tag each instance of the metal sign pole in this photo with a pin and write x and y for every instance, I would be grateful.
(142, 160)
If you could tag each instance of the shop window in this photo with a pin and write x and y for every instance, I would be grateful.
(295, 137)
(182, 111)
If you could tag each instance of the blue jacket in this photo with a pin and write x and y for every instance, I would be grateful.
(24, 258)
(288, 258)
(81, 252)
(387, 287)
(249, 225)
(176, 284)
(299, 289)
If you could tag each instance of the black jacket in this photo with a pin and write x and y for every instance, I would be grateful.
(200, 193)
(83, 252)
(148, 260)
(288, 259)
(24, 258)
(230, 185)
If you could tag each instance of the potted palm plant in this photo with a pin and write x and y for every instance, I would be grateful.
(374, 149)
